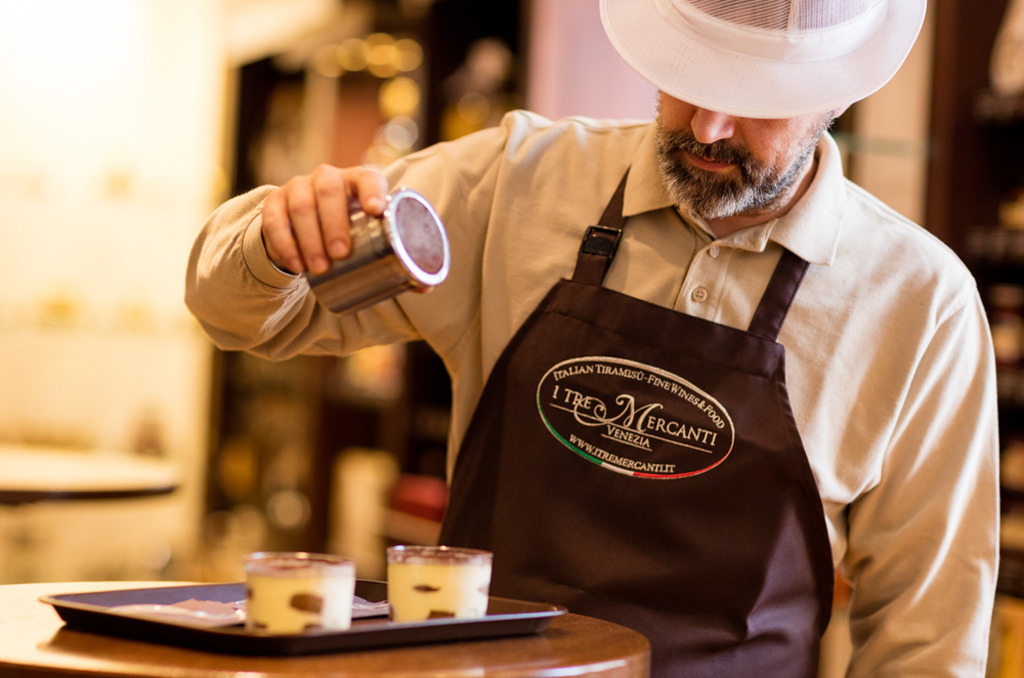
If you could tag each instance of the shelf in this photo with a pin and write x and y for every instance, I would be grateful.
(991, 107)
(1010, 386)
(996, 246)
(1012, 495)
(404, 528)
(1011, 573)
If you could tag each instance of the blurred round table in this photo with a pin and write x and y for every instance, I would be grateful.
(31, 474)
(34, 642)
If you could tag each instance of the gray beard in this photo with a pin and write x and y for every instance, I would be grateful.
(710, 196)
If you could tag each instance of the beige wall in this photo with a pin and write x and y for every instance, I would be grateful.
(111, 119)
(892, 133)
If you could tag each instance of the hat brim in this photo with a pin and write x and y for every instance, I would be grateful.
(751, 87)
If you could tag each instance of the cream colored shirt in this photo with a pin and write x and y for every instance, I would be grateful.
(889, 361)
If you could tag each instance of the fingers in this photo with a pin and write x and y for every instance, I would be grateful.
(305, 224)
(332, 210)
(371, 189)
(306, 220)
(277, 233)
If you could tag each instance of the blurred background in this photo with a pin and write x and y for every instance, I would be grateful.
(123, 123)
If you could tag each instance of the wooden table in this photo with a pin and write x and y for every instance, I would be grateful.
(34, 642)
(31, 474)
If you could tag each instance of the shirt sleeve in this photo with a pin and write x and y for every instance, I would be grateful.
(923, 543)
(244, 302)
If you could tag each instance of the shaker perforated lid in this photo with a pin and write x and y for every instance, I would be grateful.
(418, 238)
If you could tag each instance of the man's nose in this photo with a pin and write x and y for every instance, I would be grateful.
(709, 126)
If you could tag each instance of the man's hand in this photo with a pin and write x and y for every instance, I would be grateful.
(305, 221)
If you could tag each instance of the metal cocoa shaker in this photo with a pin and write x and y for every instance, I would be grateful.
(404, 248)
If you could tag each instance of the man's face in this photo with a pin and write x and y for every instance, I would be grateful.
(723, 166)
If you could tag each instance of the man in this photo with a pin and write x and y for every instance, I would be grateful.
(748, 372)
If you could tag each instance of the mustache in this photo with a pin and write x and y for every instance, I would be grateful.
(718, 151)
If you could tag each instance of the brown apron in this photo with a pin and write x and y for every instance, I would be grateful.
(642, 465)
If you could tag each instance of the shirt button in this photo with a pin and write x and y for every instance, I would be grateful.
(713, 251)
(699, 294)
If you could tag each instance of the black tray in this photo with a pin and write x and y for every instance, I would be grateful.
(90, 612)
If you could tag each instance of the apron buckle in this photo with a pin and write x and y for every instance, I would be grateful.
(601, 240)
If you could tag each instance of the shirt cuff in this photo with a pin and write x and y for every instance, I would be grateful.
(254, 252)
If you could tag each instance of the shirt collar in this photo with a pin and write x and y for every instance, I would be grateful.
(811, 229)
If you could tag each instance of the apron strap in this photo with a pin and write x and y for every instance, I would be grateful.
(601, 241)
(778, 297)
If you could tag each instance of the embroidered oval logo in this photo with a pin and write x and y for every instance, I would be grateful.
(633, 418)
